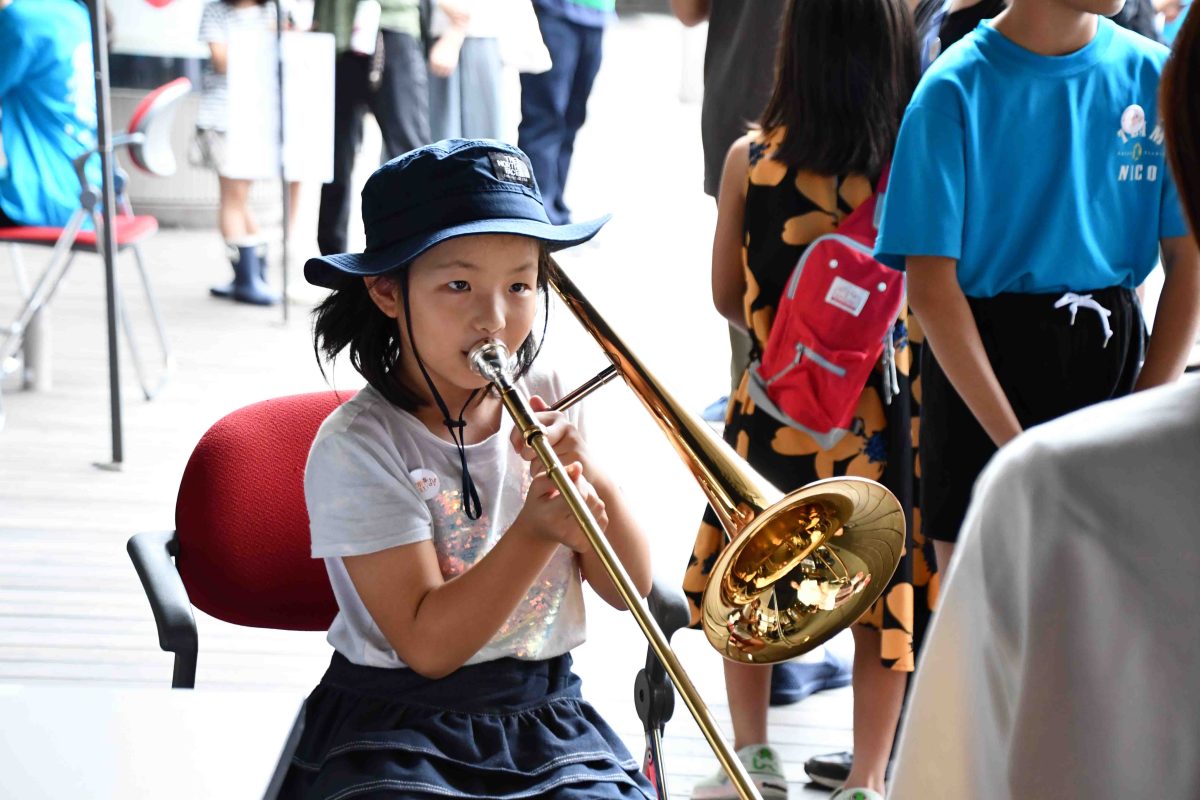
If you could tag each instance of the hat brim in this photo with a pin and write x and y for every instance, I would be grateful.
(335, 270)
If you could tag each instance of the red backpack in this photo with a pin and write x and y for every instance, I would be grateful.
(834, 319)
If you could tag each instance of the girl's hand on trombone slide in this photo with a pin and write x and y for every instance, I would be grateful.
(547, 516)
(563, 437)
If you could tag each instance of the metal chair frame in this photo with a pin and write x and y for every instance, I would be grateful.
(147, 141)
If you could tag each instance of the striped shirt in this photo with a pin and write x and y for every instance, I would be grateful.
(219, 20)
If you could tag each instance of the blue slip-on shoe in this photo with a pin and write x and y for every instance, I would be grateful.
(792, 681)
(716, 411)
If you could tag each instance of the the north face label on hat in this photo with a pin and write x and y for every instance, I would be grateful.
(511, 169)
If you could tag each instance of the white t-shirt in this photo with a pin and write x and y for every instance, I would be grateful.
(218, 21)
(377, 478)
(1064, 660)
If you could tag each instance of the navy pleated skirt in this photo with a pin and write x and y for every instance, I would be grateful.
(499, 730)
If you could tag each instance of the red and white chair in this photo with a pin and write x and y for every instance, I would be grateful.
(147, 140)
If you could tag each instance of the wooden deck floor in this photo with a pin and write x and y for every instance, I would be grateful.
(71, 609)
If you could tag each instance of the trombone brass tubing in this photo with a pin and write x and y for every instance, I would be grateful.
(799, 567)
(604, 376)
(490, 359)
(737, 494)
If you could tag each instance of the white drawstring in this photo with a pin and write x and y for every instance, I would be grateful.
(1074, 301)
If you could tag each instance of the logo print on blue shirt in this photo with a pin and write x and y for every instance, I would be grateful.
(1136, 146)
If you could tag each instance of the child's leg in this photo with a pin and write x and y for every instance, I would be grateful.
(748, 688)
(878, 699)
(944, 552)
(242, 240)
(293, 204)
(237, 223)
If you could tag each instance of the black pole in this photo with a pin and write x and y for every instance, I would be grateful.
(107, 233)
(287, 200)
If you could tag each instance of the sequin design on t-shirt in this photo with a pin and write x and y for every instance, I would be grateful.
(460, 542)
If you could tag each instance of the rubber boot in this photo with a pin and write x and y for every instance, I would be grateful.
(261, 250)
(248, 285)
(226, 290)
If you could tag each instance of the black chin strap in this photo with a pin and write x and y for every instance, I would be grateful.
(456, 427)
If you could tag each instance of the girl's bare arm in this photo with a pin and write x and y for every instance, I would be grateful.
(728, 272)
(436, 625)
(620, 527)
(690, 12)
(627, 540)
(938, 301)
(1178, 314)
(218, 56)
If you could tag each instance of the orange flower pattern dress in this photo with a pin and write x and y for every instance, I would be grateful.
(786, 208)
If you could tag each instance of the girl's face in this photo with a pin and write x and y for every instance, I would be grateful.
(462, 292)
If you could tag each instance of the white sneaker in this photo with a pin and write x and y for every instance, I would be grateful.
(856, 794)
(763, 764)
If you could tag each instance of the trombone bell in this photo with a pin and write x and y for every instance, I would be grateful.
(799, 568)
(803, 570)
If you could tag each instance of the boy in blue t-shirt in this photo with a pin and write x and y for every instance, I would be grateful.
(47, 109)
(1029, 197)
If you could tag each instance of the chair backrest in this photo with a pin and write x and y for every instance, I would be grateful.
(153, 118)
(241, 519)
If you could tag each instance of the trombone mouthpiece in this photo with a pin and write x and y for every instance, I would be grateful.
(490, 360)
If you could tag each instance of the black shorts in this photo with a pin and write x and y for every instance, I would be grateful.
(1046, 366)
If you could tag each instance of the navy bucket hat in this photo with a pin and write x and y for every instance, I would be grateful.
(455, 187)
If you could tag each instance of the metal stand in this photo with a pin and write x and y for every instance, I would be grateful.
(106, 240)
(653, 694)
(280, 19)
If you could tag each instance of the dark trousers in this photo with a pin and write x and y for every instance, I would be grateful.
(554, 105)
(1047, 367)
(401, 107)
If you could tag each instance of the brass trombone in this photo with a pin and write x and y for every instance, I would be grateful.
(799, 568)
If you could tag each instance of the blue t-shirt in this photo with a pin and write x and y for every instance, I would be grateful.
(1171, 29)
(47, 108)
(1037, 173)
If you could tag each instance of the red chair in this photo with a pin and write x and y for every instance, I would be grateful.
(240, 544)
(147, 139)
(240, 551)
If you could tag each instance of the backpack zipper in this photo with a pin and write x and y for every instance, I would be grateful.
(813, 356)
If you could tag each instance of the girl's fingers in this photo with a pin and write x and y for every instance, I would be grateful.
(555, 426)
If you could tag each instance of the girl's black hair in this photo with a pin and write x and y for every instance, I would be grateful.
(1181, 115)
(843, 77)
(349, 319)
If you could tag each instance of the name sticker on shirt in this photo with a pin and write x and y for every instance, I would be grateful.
(845, 295)
(427, 483)
(511, 169)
